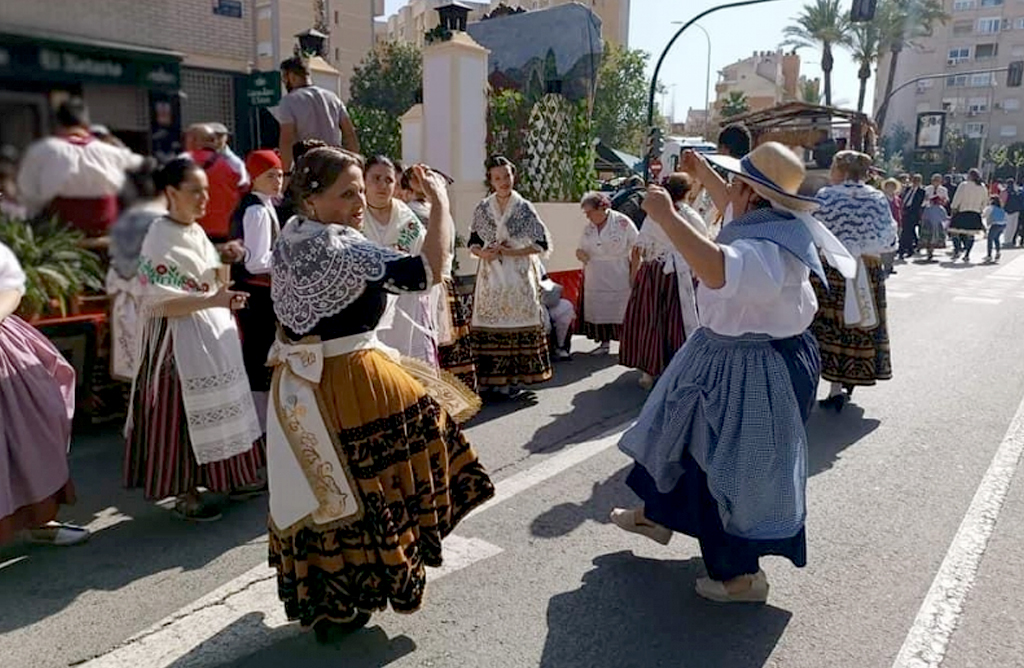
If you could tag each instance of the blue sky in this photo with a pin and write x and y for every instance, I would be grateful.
(735, 34)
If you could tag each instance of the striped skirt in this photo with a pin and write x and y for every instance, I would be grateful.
(458, 358)
(417, 477)
(851, 355)
(158, 451)
(652, 330)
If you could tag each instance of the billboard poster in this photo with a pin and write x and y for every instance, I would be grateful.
(931, 130)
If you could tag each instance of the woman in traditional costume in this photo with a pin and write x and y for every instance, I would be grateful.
(408, 325)
(851, 325)
(662, 310)
(970, 200)
(454, 338)
(37, 404)
(610, 260)
(720, 446)
(192, 422)
(256, 225)
(508, 328)
(142, 204)
(368, 472)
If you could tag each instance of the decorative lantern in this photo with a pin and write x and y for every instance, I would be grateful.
(454, 16)
(312, 42)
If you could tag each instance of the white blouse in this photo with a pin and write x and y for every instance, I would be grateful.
(11, 275)
(767, 291)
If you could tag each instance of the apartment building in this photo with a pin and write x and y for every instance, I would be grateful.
(146, 68)
(766, 78)
(981, 35)
(416, 17)
(349, 24)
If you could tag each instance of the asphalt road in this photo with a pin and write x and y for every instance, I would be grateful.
(540, 578)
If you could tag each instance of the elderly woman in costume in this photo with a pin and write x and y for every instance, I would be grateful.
(408, 325)
(851, 325)
(368, 471)
(607, 249)
(508, 331)
(720, 446)
(662, 310)
(37, 403)
(192, 422)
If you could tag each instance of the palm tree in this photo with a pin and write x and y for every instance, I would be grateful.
(810, 91)
(866, 47)
(735, 104)
(900, 24)
(824, 23)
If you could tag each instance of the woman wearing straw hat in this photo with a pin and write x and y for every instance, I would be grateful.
(720, 446)
(851, 324)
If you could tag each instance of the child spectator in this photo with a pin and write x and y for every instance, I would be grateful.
(995, 219)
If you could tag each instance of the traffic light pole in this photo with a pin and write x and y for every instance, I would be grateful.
(661, 59)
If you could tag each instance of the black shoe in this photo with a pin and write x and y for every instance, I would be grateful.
(835, 402)
(326, 629)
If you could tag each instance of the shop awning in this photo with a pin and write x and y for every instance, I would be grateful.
(30, 55)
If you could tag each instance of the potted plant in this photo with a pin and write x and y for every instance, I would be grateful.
(57, 268)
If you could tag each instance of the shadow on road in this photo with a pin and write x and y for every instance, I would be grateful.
(564, 518)
(141, 539)
(828, 434)
(632, 612)
(368, 648)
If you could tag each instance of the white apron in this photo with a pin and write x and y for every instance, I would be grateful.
(606, 277)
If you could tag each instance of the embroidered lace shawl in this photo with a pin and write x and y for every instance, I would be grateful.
(320, 270)
(859, 216)
(179, 261)
(404, 232)
(520, 225)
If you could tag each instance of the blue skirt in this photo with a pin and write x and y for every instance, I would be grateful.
(734, 408)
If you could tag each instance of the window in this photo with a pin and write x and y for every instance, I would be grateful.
(988, 26)
(991, 3)
(337, 54)
(957, 81)
(265, 49)
(962, 28)
(982, 80)
(977, 105)
(974, 130)
(963, 5)
(952, 103)
(986, 51)
(1019, 24)
(1011, 104)
(335, 17)
(959, 55)
(924, 85)
(1008, 131)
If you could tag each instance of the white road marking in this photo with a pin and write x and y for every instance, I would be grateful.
(926, 643)
(245, 615)
(892, 294)
(977, 300)
(1014, 269)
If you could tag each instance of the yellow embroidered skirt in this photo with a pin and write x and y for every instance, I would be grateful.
(417, 477)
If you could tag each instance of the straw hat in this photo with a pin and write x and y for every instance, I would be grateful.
(774, 172)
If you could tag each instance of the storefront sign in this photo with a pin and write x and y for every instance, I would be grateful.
(263, 89)
(27, 59)
(231, 8)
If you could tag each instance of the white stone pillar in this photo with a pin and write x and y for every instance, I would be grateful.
(454, 125)
(412, 135)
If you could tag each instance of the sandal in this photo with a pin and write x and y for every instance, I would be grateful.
(634, 521)
(713, 590)
(196, 512)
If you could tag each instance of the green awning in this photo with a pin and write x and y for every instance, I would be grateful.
(36, 56)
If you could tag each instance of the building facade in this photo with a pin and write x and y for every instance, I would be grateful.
(981, 35)
(349, 24)
(146, 68)
(416, 17)
(766, 78)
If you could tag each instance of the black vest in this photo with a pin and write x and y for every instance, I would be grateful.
(238, 271)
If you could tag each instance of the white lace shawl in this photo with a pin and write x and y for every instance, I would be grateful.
(654, 242)
(519, 224)
(320, 270)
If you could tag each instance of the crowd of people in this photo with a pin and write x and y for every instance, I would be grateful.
(289, 324)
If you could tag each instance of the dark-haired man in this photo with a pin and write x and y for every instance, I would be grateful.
(734, 141)
(311, 112)
(74, 175)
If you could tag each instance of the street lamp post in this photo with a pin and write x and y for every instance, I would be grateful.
(707, 83)
(661, 59)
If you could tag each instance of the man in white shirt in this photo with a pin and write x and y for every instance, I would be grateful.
(73, 175)
(311, 112)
